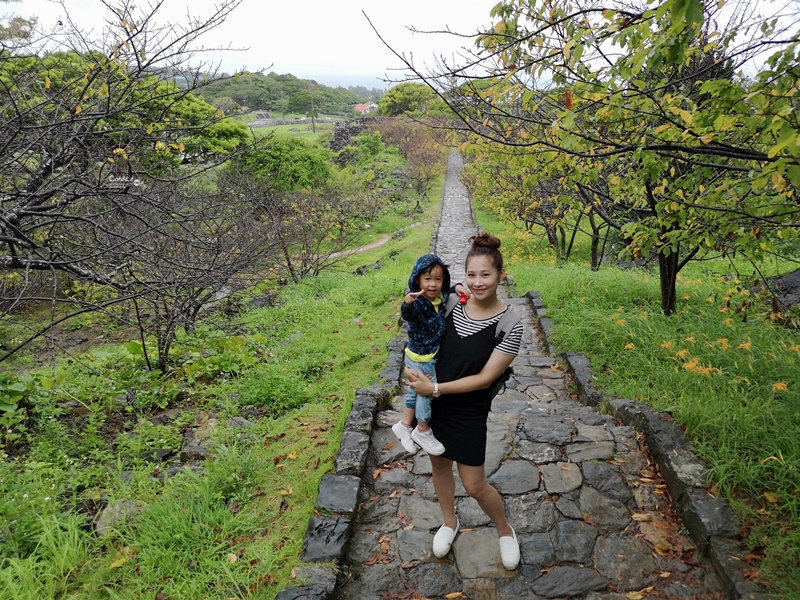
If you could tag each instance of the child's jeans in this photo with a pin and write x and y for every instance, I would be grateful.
(421, 404)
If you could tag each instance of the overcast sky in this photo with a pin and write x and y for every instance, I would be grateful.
(327, 40)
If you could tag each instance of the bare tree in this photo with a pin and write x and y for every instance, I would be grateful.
(107, 160)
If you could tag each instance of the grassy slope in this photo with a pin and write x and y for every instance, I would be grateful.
(236, 529)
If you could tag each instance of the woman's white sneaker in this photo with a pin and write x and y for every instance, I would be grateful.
(443, 539)
(509, 550)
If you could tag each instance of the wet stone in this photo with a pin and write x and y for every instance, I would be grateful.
(537, 549)
(434, 580)
(422, 464)
(294, 592)
(568, 508)
(470, 513)
(324, 577)
(338, 493)
(499, 433)
(549, 431)
(574, 541)
(423, 514)
(635, 572)
(480, 589)
(581, 451)
(383, 510)
(372, 582)
(518, 588)
(477, 554)
(326, 539)
(515, 477)
(607, 480)
(537, 452)
(352, 456)
(561, 477)
(359, 420)
(414, 545)
(531, 513)
(606, 513)
(388, 481)
(386, 446)
(364, 546)
(568, 581)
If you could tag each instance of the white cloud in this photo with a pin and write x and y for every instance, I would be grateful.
(321, 39)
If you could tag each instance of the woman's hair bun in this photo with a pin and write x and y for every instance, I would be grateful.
(484, 240)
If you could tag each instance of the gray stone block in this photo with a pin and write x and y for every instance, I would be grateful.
(326, 539)
(338, 493)
(352, 456)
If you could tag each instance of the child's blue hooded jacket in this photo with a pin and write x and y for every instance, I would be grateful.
(425, 325)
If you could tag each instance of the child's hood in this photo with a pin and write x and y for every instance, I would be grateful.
(423, 262)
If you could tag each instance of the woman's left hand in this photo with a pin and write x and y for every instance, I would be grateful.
(419, 382)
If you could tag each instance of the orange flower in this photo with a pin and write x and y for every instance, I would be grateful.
(681, 353)
(690, 338)
(781, 386)
(666, 345)
(630, 346)
(745, 346)
(620, 322)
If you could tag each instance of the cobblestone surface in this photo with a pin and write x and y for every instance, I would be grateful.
(591, 512)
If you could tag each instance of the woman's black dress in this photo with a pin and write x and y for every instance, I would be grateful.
(459, 420)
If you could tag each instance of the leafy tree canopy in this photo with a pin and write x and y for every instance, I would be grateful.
(286, 164)
(270, 92)
(406, 98)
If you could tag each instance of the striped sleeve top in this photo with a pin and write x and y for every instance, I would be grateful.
(466, 326)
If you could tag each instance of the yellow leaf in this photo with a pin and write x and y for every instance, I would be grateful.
(661, 128)
(118, 563)
(452, 595)
(664, 574)
(46, 82)
(687, 117)
(232, 558)
(634, 595)
(78, 109)
(778, 181)
(292, 454)
(771, 497)
(707, 138)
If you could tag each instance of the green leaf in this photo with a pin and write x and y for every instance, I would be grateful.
(135, 348)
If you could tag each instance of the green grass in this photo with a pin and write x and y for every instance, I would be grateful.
(729, 375)
(298, 130)
(237, 528)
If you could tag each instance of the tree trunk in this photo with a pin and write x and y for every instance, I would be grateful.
(668, 273)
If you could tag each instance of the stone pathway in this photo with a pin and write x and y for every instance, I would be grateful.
(590, 510)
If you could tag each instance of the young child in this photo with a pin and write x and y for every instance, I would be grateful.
(423, 310)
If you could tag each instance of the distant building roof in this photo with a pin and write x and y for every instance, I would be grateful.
(365, 108)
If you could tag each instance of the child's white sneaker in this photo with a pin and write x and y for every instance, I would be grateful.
(427, 441)
(403, 433)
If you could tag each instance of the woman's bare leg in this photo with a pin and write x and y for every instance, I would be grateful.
(489, 499)
(444, 483)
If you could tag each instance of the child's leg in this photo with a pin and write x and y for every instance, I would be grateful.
(423, 404)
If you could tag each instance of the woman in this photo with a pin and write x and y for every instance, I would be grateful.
(469, 361)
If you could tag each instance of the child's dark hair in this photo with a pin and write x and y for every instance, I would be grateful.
(486, 245)
(430, 268)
